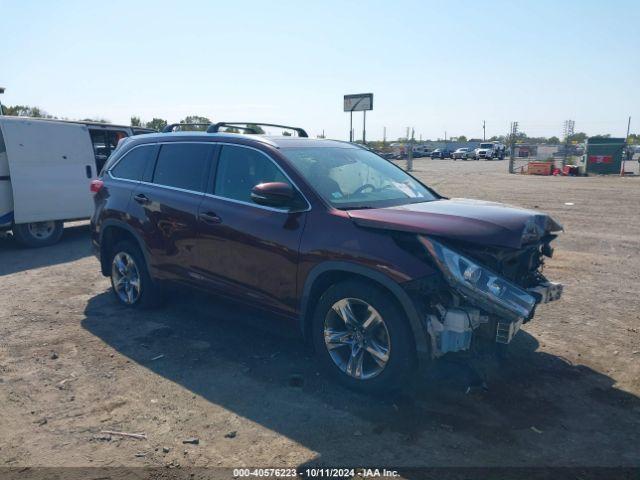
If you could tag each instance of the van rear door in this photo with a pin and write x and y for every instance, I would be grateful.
(51, 166)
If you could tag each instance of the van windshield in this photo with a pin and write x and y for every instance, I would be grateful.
(350, 178)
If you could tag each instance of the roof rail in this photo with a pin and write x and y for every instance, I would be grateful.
(172, 126)
(215, 127)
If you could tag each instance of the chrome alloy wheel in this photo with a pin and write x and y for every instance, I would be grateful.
(125, 278)
(357, 338)
(41, 230)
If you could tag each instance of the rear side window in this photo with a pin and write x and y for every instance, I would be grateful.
(240, 169)
(134, 163)
(183, 165)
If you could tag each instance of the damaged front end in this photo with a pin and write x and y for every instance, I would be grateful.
(487, 291)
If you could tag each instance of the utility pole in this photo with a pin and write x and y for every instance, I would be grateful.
(364, 127)
(351, 126)
(384, 136)
(410, 152)
(569, 129)
(512, 141)
(484, 130)
(626, 150)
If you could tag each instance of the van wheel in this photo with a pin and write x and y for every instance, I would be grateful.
(361, 337)
(38, 234)
(130, 280)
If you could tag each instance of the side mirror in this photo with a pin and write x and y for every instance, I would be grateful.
(273, 194)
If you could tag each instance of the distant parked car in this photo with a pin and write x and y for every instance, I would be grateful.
(463, 153)
(421, 151)
(489, 151)
(441, 153)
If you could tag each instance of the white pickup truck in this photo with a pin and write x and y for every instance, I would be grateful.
(490, 150)
(46, 167)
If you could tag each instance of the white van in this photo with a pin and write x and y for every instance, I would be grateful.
(46, 167)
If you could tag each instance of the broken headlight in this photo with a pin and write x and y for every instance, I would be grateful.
(483, 287)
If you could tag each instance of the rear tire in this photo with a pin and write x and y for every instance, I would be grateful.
(38, 234)
(373, 351)
(130, 280)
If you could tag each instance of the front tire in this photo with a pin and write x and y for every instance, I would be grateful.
(362, 338)
(130, 280)
(38, 234)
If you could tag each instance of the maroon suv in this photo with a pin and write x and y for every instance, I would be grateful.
(379, 271)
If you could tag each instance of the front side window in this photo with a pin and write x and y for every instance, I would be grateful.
(356, 178)
(240, 169)
(134, 163)
(183, 165)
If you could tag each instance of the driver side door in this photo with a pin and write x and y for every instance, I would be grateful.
(245, 250)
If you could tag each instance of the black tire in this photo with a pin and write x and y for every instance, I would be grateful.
(149, 294)
(38, 234)
(401, 354)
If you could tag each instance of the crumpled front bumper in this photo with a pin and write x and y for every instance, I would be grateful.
(547, 292)
(544, 293)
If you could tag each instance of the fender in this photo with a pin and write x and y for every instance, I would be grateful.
(419, 333)
(111, 222)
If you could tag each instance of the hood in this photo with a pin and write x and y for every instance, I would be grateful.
(473, 221)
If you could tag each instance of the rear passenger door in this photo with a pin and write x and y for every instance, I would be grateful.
(166, 206)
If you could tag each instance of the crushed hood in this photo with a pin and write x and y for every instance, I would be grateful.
(473, 221)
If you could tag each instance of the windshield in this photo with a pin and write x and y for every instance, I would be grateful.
(486, 145)
(355, 178)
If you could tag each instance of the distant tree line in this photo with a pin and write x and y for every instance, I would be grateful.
(37, 112)
(159, 124)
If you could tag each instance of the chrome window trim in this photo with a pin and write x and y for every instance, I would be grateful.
(210, 195)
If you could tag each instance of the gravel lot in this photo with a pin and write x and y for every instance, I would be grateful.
(73, 363)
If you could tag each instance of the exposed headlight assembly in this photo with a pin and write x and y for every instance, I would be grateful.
(483, 287)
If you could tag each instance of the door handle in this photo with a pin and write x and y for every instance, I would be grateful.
(88, 171)
(209, 217)
(142, 199)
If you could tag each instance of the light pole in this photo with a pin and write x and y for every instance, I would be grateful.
(1, 92)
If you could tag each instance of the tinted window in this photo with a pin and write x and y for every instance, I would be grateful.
(240, 169)
(182, 165)
(134, 163)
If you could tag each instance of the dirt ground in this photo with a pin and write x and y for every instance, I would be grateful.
(73, 363)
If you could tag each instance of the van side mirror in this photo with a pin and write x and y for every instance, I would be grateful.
(273, 194)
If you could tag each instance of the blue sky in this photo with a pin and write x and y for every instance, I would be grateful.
(434, 65)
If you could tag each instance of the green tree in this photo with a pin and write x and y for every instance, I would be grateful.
(25, 111)
(136, 122)
(462, 138)
(196, 119)
(255, 128)
(553, 140)
(95, 120)
(578, 137)
(156, 124)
